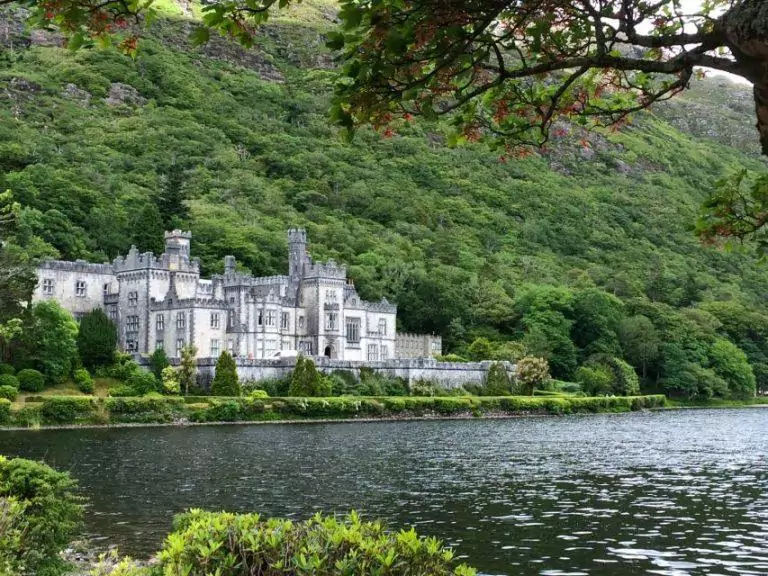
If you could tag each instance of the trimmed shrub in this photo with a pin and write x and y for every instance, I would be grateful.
(84, 381)
(497, 381)
(144, 409)
(448, 405)
(5, 410)
(7, 369)
(31, 380)
(259, 394)
(225, 382)
(170, 379)
(52, 517)
(143, 382)
(123, 390)
(67, 409)
(9, 392)
(424, 388)
(208, 542)
(9, 380)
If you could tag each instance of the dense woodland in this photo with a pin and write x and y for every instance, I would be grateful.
(580, 254)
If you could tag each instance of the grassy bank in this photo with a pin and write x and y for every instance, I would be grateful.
(90, 410)
(677, 403)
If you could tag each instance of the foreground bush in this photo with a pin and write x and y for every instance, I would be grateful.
(221, 543)
(31, 380)
(52, 515)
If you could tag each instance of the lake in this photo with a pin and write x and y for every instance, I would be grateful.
(644, 493)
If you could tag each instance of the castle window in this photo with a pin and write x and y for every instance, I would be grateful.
(181, 321)
(113, 313)
(106, 288)
(215, 349)
(331, 321)
(353, 329)
(231, 346)
(160, 322)
(382, 327)
(434, 346)
(132, 324)
(260, 319)
(48, 287)
(80, 288)
(159, 345)
(214, 320)
(305, 347)
(285, 320)
(384, 353)
(373, 352)
(179, 346)
(271, 317)
(133, 298)
(230, 318)
(301, 322)
(270, 346)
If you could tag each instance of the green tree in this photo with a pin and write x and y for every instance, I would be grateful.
(49, 341)
(188, 368)
(480, 349)
(226, 382)
(306, 381)
(730, 363)
(17, 272)
(596, 319)
(170, 380)
(96, 339)
(639, 342)
(158, 362)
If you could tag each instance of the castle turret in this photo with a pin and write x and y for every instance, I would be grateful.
(297, 252)
(177, 247)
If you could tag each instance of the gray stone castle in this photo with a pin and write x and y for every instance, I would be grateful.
(162, 302)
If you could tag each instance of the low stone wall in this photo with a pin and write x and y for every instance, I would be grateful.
(447, 374)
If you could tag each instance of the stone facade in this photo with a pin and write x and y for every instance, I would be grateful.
(162, 302)
(418, 345)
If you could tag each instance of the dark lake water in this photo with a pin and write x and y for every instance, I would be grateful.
(658, 493)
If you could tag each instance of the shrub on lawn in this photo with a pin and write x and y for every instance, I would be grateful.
(83, 381)
(31, 380)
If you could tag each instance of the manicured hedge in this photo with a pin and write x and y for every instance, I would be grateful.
(156, 408)
(68, 409)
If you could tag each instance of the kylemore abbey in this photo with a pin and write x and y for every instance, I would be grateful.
(162, 302)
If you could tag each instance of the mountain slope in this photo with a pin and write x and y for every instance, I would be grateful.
(105, 151)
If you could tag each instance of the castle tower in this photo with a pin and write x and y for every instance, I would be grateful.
(177, 247)
(297, 252)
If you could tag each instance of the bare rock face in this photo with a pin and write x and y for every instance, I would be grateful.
(39, 37)
(72, 92)
(23, 85)
(124, 95)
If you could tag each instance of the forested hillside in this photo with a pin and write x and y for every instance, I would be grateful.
(585, 249)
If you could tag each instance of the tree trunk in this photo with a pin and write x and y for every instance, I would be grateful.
(745, 28)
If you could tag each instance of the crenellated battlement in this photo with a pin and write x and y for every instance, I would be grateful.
(328, 269)
(78, 266)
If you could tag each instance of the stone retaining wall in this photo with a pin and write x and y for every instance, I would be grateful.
(447, 374)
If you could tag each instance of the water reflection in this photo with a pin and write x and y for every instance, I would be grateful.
(663, 493)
